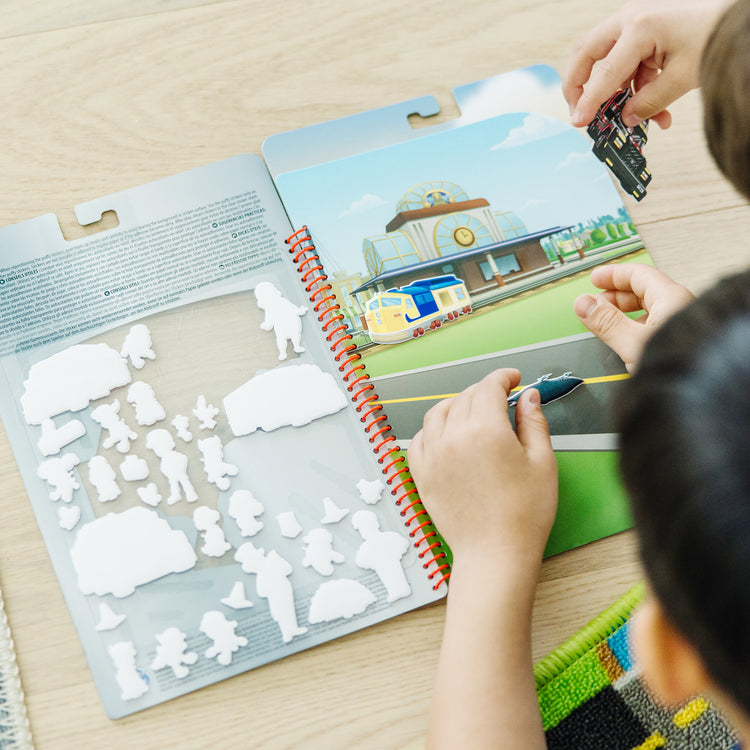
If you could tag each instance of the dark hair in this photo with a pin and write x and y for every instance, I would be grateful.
(725, 80)
(684, 422)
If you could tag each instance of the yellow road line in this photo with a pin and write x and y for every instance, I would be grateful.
(441, 396)
(607, 378)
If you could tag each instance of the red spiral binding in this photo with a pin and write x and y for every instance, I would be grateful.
(365, 399)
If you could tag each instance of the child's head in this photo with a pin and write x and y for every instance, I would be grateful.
(725, 81)
(685, 440)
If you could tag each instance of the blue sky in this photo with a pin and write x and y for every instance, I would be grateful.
(533, 164)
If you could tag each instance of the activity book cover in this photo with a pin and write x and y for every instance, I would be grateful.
(209, 405)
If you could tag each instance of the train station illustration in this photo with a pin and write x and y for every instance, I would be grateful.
(444, 253)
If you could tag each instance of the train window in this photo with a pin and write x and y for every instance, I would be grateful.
(409, 303)
(373, 304)
(460, 293)
(391, 301)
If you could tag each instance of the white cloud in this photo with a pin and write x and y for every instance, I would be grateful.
(535, 126)
(365, 203)
(533, 203)
(517, 91)
(575, 157)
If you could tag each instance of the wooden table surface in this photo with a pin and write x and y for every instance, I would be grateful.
(99, 97)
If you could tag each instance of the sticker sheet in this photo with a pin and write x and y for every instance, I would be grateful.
(204, 486)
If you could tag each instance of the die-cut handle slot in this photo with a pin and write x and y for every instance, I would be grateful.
(448, 111)
(72, 230)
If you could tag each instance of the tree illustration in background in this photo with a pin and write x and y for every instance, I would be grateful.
(598, 236)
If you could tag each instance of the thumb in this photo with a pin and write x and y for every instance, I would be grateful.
(531, 426)
(621, 334)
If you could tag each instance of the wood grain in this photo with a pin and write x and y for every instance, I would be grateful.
(101, 97)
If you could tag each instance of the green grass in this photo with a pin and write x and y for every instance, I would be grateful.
(536, 317)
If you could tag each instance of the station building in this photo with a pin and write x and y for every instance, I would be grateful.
(438, 229)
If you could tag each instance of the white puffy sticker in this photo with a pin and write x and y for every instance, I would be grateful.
(342, 598)
(293, 395)
(119, 551)
(70, 379)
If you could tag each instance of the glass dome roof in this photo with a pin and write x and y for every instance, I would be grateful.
(428, 194)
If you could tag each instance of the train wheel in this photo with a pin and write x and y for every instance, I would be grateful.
(415, 332)
(421, 331)
(438, 323)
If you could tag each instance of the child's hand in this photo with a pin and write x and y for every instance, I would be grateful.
(629, 287)
(491, 491)
(654, 45)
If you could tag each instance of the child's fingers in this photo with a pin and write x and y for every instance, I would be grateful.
(586, 52)
(644, 281)
(433, 424)
(618, 65)
(625, 301)
(499, 383)
(489, 397)
(623, 335)
(532, 428)
(465, 416)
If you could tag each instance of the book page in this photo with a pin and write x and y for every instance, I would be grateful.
(459, 249)
(204, 486)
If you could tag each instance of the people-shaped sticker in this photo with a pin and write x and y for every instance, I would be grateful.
(382, 551)
(173, 465)
(272, 582)
(282, 316)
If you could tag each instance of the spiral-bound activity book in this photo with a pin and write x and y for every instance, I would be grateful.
(210, 403)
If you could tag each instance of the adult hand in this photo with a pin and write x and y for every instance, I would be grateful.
(654, 46)
(627, 288)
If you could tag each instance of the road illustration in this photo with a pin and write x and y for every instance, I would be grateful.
(582, 420)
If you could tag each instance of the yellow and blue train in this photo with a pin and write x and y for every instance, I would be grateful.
(411, 311)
